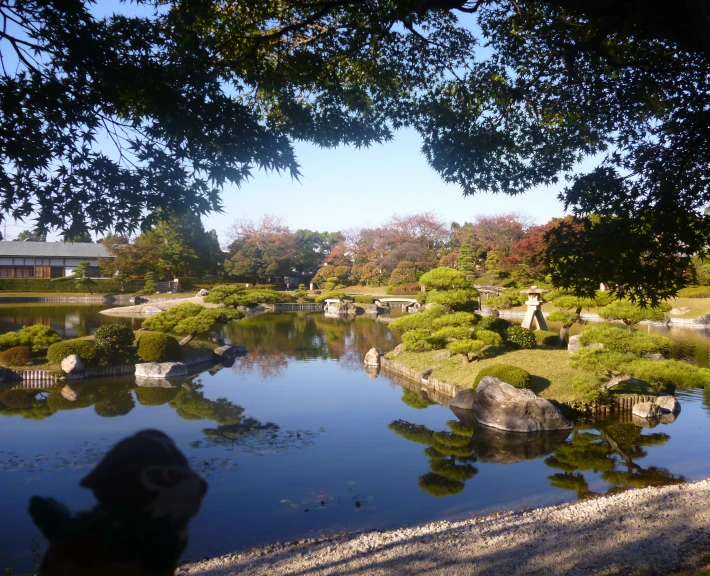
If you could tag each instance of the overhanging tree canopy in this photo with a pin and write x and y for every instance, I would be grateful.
(505, 95)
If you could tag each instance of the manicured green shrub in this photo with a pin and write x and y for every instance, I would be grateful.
(234, 295)
(37, 337)
(489, 338)
(520, 337)
(507, 299)
(418, 320)
(694, 292)
(331, 296)
(190, 318)
(301, 292)
(619, 339)
(630, 313)
(456, 319)
(466, 347)
(449, 333)
(421, 341)
(465, 300)
(365, 299)
(444, 278)
(16, 356)
(509, 374)
(87, 350)
(158, 347)
(115, 339)
(546, 337)
(149, 285)
(494, 324)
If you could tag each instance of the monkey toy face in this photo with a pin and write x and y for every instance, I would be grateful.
(148, 472)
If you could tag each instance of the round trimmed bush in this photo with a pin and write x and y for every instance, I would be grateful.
(87, 350)
(546, 337)
(507, 373)
(158, 347)
(521, 337)
(115, 338)
(16, 356)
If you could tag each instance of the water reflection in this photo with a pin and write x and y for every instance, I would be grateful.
(610, 449)
(275, 338)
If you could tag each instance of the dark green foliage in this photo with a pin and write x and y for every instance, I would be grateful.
(467, 260)
(57, 402)
(37, 337)
(510, 374)
(16, 356)
(546, 337)
(420, 320)
(455, 319)
(489, 338)
(495, 324)
(520, 337)
(412, 432)
(115, 339)
(158, 347)
(694, 292)
(630, 313)
(301, 292)
(509, 298)
(365, 299)
(439, 486)
(167, 320)
(87, 350)
(235, 295)
(149, 283)
(80, 278)
(421, 340)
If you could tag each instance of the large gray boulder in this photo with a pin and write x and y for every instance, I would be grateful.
(372, 358)
(463, 400)
(203, 292)
(502, 406)
(160, 369)
(573, 344)
(72, 364)
(230, 352)
(647, 410)
(668, 404)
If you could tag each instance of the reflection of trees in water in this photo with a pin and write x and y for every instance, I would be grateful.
(610, 450)
(70, 321)
(415, 400)
(274, 338)
(450, 455)
(191, 404)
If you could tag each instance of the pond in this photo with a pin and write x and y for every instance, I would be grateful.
(297, 440)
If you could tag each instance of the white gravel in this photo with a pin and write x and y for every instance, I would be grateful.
(647, 531)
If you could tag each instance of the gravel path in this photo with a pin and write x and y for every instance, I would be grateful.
(647, 531)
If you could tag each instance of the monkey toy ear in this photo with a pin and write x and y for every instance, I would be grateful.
(49, 516)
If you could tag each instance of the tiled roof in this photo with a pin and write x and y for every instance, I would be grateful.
(53, 249)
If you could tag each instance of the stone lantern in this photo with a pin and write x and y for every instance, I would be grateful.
(534, 311)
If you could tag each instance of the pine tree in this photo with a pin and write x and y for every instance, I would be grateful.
(149, 287)
(467, 261)
(81, 277)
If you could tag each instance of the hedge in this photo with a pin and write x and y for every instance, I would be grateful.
(46, 285)
(87, 350)
(158, 347)
(507, 373)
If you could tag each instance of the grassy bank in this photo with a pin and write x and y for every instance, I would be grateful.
(549, 368)
(696, 307)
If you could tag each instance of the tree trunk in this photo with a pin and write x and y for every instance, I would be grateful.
(563, 335)
(187, 339)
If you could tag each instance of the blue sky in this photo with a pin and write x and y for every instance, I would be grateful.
(346, 188)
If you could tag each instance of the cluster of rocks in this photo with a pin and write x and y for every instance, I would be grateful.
(664, 408)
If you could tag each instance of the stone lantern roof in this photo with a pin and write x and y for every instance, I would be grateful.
(534, 290)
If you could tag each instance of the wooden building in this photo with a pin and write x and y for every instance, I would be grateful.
(48, 259)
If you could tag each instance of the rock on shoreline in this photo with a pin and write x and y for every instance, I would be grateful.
(645, 531)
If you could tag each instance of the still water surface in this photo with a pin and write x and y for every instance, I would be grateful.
(297, 440)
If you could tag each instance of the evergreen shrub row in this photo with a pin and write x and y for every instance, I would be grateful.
(87, 350)
(509, 374)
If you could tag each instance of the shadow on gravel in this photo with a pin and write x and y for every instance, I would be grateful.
(638, 533)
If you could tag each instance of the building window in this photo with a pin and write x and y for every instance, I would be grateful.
(24, 272)
(57, 272)
(5, 271)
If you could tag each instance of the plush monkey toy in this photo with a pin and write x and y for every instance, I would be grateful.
(146, 492)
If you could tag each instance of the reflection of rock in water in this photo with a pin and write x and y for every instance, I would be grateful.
(501, 447)
(372, 371)
(646, 422)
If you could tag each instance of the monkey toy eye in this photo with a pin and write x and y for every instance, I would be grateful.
(161, 477)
